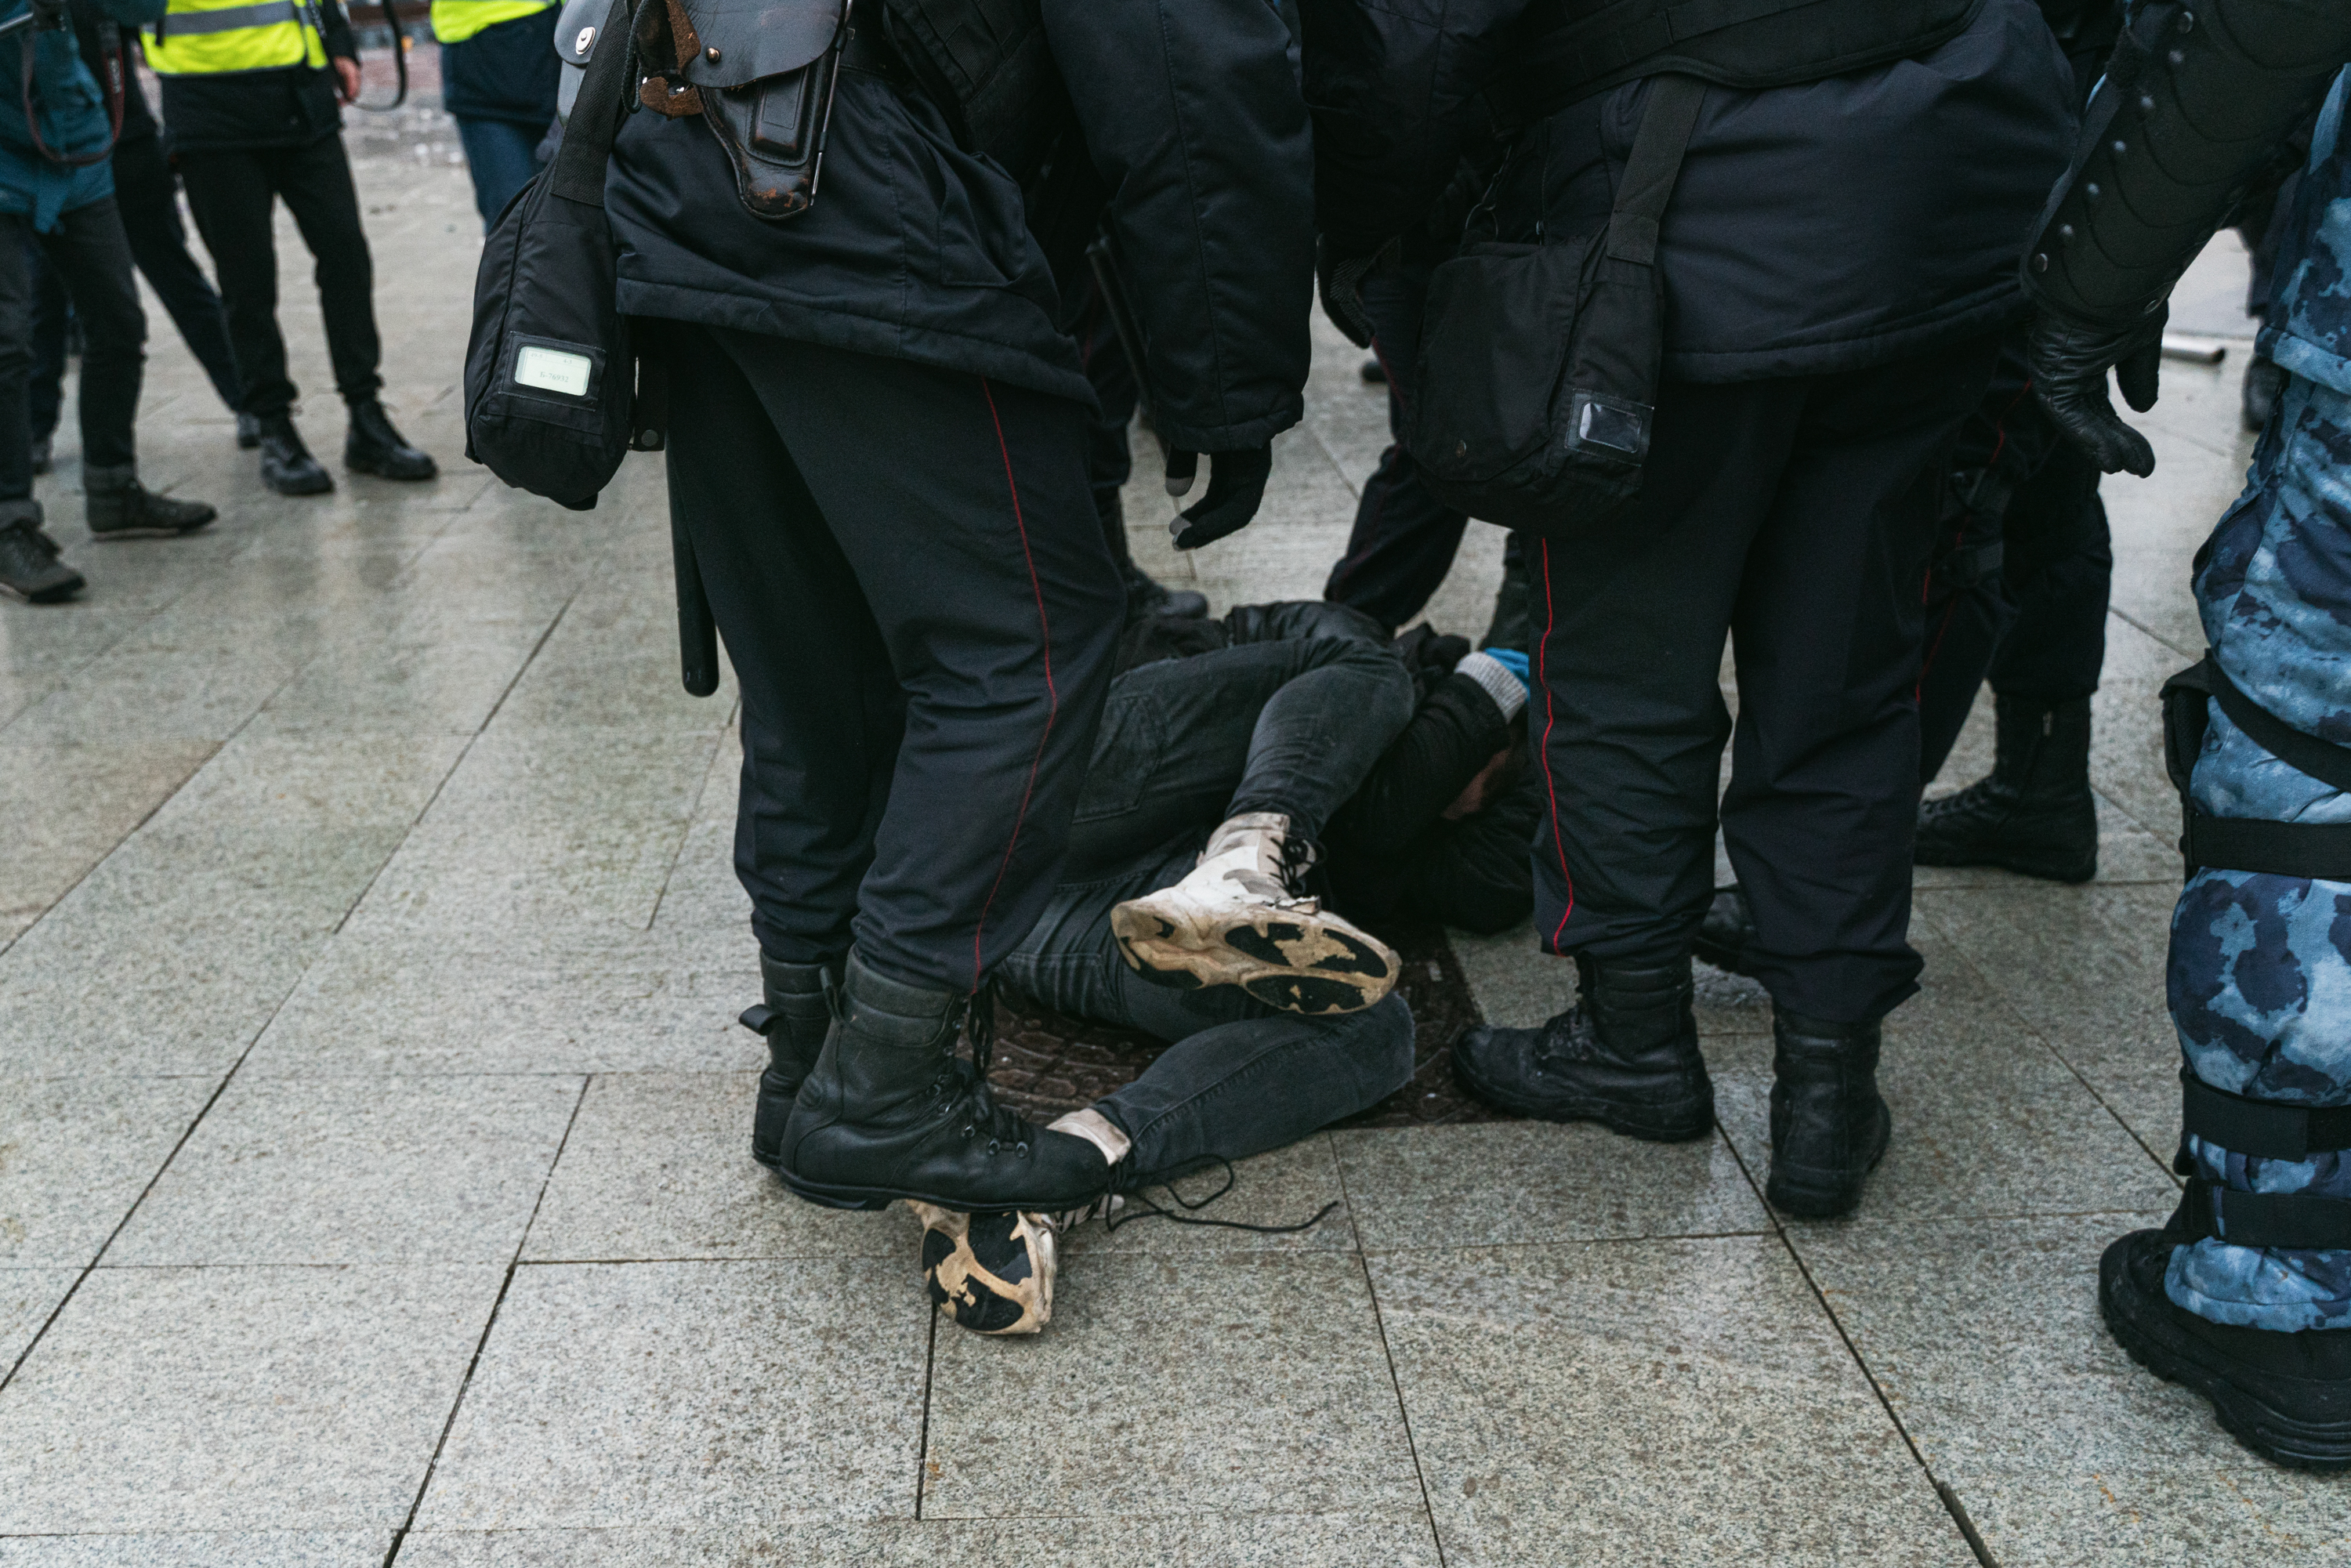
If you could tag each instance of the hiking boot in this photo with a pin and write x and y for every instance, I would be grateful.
(2286, 1397)
(993, 1272)
(43, 456)
(889, 1113)
(29, 567)
(1625, 1056)
(1726, 938)
(249, 432)
(373, 446)
(2035, 813)
(1829, 1125)
(1239, 919)
(793, 1020)
(119, 507)
(2265, 384)
(286, 465)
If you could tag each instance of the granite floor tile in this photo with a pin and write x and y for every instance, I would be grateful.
(1682, 1401)
(2084, 967)
(76, 1152)
(546, 828)
(691, 1394)
(1986, 1337)
(1273, 1361)
(1502, 1182)
(658, 1165)
(1987, 1119)
(70, 805)
(1292, 1541)
(403, 1170)
(132, 696)
(27, 1297)
(223, 1549)
(518, 1001)
(449, 685)
(238, 1399)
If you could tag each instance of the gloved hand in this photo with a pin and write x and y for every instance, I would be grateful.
(1236, 489)
(1340, 278)
(2069, 363)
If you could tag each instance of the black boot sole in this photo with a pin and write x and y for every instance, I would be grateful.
(2046, 865)
(151, 533)
(1650, 1124)
(320, 485)
(1805, 1194)
(2150, 1337)
(382, 468)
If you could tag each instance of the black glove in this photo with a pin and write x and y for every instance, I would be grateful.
(1236, 490)
(2069, 363)
(1342, 280)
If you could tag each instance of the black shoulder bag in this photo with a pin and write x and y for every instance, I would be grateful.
(1538, 367)
(548, 369)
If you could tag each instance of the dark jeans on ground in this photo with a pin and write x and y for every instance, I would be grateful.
(912, 586)
(1293, 726)
(502, 156)
(1405, 539)
(2037, 626)
(1795, 515)
(1241, 1077)
(146, 195)
(231, 191)
(87, 250)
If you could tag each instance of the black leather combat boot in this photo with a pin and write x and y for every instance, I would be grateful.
(286, 465)
(1625, 1056)
(1829, 1125)
(373, 446)
(2287, 1397)
(889, 1113)
(29, 567)
(2036, 814)
(794, 1018)
(1727, 936)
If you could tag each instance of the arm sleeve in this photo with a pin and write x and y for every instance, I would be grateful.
(129, 12)
(1478, 874)
(340, 41)
(1393, 88)
(1455, 734)
(1193, 116)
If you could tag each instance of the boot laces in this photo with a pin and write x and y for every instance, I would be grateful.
(982, 1117)
(1131, 1184)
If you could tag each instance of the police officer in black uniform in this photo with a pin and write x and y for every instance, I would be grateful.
(879, 450)
(1839, 259)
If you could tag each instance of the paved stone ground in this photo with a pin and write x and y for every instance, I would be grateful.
(372, 1181)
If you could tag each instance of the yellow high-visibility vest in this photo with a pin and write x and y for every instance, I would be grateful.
(202, 37)
(455, 21)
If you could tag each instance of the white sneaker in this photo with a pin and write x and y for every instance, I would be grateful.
(1238, 920)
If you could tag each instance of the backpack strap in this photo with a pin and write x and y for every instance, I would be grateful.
(1669, 117)
(586, 145)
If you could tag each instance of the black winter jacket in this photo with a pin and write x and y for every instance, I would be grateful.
(917, 249)
(1829, 226)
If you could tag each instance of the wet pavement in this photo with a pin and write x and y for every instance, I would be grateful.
(373, 1182)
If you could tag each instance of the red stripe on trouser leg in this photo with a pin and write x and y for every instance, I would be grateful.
(1550, 718)
(1052, 696)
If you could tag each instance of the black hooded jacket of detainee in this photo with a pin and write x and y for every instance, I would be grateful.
(919, 249)
(1828, 226)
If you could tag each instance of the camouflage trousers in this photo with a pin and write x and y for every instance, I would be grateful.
(2261, 965)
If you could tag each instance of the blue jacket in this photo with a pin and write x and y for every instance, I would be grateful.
(2309, 329)
(73, 117)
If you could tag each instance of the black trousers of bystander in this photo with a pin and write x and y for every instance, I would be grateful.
(88, 251)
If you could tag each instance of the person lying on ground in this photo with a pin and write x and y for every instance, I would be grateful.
(1240, 797)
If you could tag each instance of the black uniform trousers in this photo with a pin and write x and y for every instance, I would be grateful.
(1796, 516)
(146, 195)
(88, 251)
(232, 191)
(915, 592)
(1405, 539)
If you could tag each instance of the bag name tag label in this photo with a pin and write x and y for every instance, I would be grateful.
(552, 370)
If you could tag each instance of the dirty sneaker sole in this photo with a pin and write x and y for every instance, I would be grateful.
(1300, 963)
(993, 1272)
